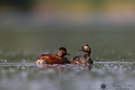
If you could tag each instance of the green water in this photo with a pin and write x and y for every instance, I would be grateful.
(28, 43)
(113, 53)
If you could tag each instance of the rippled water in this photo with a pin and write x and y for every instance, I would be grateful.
(113, 53)
(100, 76)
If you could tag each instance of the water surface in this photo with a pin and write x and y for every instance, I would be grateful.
(113, 53)
(102, 76)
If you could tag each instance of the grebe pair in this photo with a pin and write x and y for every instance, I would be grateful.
(60, 58)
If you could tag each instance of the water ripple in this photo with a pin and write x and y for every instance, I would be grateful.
(100, 76)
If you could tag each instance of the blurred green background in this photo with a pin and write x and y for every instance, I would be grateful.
(31, 27)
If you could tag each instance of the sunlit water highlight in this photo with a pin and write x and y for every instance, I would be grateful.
(100, 76)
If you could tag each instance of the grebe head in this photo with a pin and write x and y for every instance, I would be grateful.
(62, 52)
(85, 48)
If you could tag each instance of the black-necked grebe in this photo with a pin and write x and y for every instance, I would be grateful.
(54, 58)
(85, 59)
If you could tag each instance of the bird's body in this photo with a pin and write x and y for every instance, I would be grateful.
(83, 59)
(54, 58)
